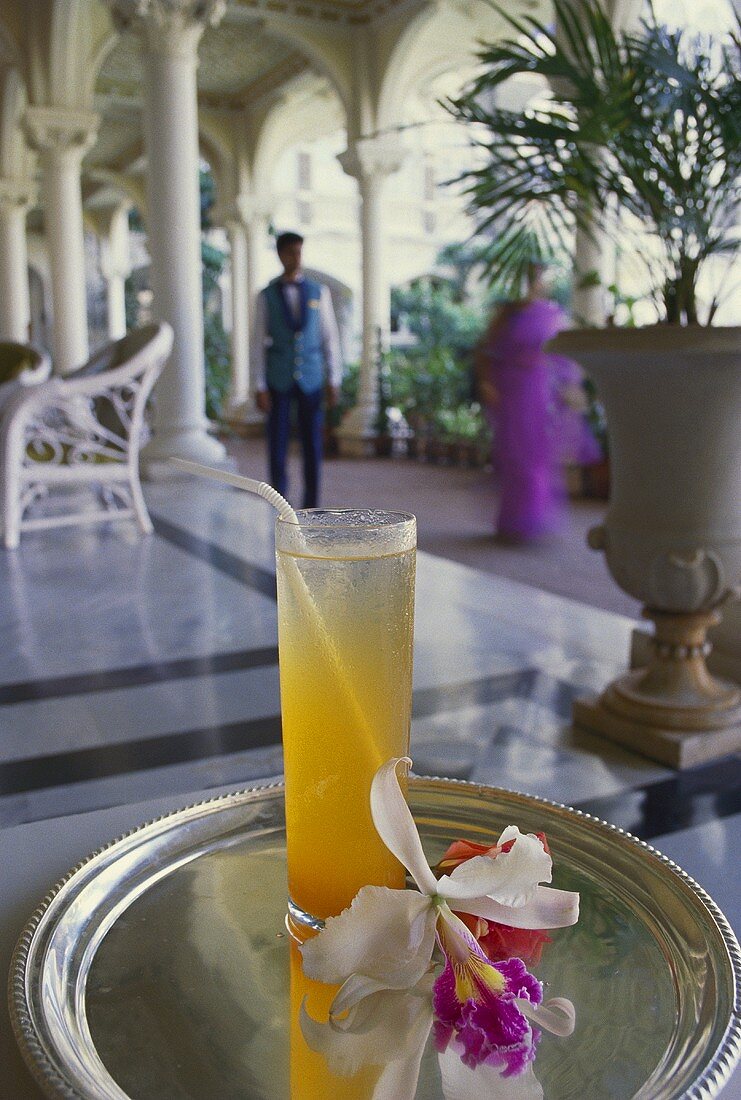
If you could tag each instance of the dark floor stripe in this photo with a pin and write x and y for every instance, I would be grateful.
(236, 772)
(553, 694)
(684, 801)
(252, 576)
(104, 761)
(78, 765)
(185, 668)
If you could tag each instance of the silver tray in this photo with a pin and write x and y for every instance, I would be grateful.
(159, 967)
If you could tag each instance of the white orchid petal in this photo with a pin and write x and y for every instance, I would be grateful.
(343, 1056)
(405, 1042)
(510, 878)
(395, 825)
(385, 1027)
(400, 1078)
(386, 935)
(345, 1052)
(557, 1015)
(459, 1082)
(349, 1000)
(388, 1028)
(357, 1001)
(548, 908)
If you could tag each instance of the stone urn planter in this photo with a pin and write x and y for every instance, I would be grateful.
(672, 533)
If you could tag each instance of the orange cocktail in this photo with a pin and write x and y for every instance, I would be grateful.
(345, 627)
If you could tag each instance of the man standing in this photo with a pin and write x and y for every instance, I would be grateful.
(296, 340)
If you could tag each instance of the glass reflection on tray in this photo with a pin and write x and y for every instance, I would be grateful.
(376, 1053)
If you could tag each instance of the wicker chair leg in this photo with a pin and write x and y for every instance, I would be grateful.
(139, 505)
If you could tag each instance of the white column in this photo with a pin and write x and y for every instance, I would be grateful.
(15, 306)
(171, 31)
(594, 252)
(594, 262)
(255, 214)
(61, 138)
(371, 161)
(624, 14)
(115, 266)
(256, 230)
(239, 391)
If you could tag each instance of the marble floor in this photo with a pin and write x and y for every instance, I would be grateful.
(140, 674)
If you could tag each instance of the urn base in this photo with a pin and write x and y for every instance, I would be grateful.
(677, 748)
(673, 711)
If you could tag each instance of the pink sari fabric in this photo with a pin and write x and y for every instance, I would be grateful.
(529, 427)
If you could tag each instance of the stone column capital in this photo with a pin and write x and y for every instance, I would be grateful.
(171, 28)
(254, 207)
(377, 156)
(16, 196)
(60, 130)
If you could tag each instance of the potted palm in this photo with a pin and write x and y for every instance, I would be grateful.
(639, 135)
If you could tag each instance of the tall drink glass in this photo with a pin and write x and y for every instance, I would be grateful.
(345, 629)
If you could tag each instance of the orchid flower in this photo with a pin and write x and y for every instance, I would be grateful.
(390, 1029)
(387, 1029)
(386, 938)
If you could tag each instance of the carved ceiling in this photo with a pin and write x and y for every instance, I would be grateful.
(232, 57)
(240, 64)
(244, 61)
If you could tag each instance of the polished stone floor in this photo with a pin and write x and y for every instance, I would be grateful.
(140, 674)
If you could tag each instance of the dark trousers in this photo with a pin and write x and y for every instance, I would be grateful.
(310, 417)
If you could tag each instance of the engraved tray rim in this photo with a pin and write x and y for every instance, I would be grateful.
(49, 1074)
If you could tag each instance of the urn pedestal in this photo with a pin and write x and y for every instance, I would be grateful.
(672, 533)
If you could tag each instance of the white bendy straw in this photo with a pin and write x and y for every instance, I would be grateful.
(250, 484)
(296, 579)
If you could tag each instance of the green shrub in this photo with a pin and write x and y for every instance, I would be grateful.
(465, 424)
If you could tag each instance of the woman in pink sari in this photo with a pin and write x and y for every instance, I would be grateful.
(527, 393)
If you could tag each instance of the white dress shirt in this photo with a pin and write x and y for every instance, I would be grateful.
(330, 335)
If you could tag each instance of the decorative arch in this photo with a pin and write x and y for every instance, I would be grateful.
(330, 53)
(104, 38)
(441, 38)
(217, 147)
(286, 124)
(67, 41)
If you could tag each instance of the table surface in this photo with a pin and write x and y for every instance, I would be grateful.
(180, 702)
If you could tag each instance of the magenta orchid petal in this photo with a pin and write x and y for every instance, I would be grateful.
(395, 825)
(497, 1032)
(479, 1003)
(446, 1005)
(520, 982)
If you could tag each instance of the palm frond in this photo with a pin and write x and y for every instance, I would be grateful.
(647, 120)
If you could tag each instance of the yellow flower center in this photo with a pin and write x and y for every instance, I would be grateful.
(474, 976)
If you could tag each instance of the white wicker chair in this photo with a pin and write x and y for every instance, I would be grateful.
(81, 429)
(20, 366)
